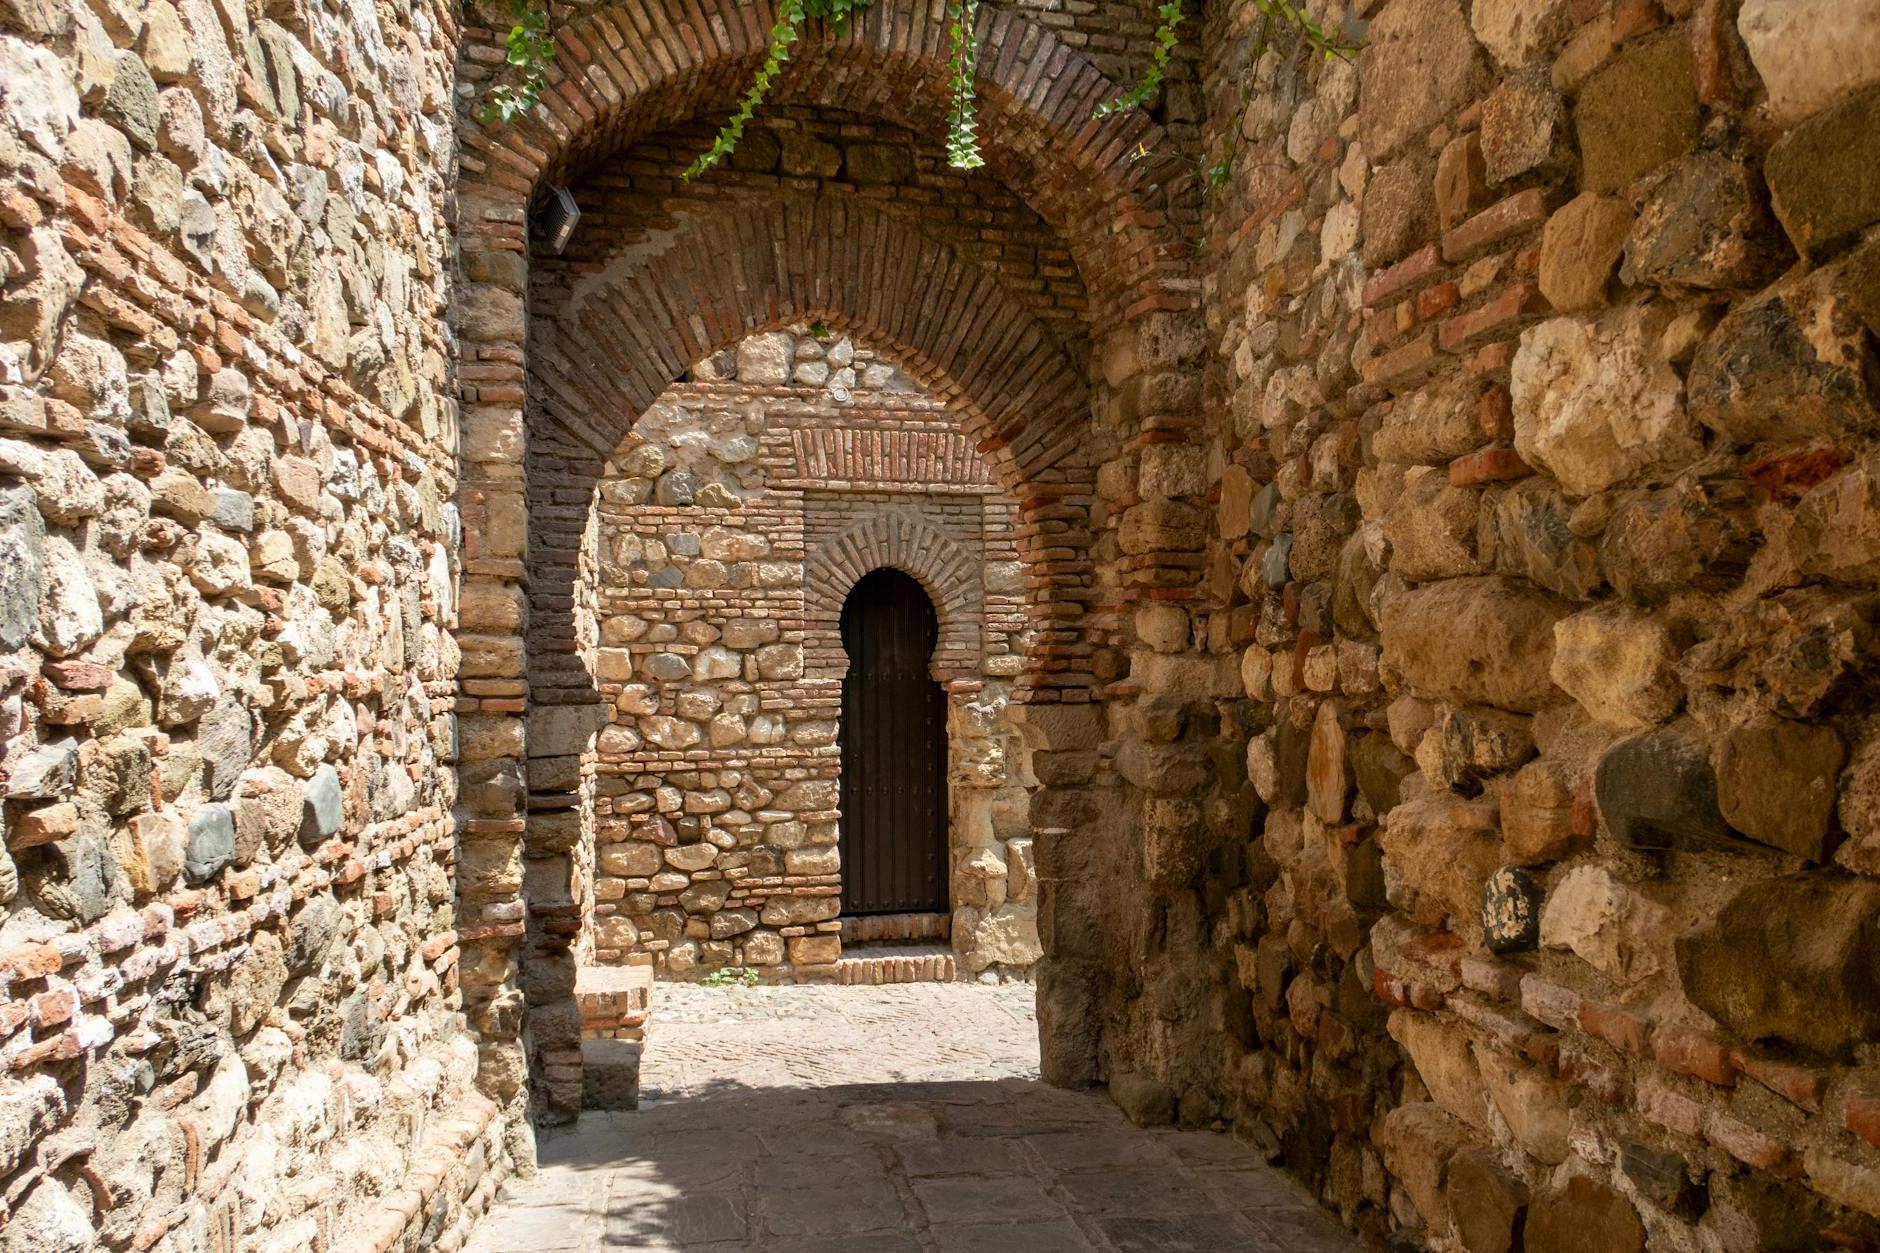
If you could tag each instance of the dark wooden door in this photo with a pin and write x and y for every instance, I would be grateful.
(894, 799)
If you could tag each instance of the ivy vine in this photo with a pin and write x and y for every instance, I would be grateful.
(963, 111)
(530, 48)
(1166, 35)
(791, 15)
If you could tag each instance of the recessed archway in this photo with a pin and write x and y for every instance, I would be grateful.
(537, 423)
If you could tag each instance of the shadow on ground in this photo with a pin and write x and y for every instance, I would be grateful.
(943, 1167)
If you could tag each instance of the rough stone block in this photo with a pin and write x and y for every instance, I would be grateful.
(1636, 113)
(1795, 959)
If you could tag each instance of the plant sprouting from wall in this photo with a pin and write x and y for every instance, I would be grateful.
(962, 121)
(1321, 41)
(529, 48)
(1166, 36)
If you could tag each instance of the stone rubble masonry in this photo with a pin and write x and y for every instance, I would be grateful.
(1465, 514)
(1542, 557)
(730, 527)
(231, 1001)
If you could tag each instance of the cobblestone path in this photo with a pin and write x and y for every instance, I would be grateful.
(883, 1120)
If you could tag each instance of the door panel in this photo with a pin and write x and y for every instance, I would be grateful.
(894, 811)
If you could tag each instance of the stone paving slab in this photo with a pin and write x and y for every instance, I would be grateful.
(897, 1119)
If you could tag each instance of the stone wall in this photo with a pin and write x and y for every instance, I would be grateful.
(730, 526)
(1542, 411)
(228, 565)
(1446, 551)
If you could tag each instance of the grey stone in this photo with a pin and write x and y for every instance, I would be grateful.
(312, 932)
(22, 580)
(610, 1074)
(676, 487)
(211, 842)
(1657, 790)
(1275, 566)
(1662, 1178)
(197, 232)
(224, 737)
(234, 511)
(46, 773)
(1265, 506)
(131, 101)
(324, 806)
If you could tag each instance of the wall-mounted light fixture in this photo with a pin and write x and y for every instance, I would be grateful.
(556, 217)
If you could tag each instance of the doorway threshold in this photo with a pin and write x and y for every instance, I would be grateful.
(876, 964)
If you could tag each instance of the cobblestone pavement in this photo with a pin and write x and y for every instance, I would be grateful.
(883, 1120)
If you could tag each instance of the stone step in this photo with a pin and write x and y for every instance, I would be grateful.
(875, 964)
(610, 1074)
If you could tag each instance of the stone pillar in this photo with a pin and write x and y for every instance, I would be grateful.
(492, 624)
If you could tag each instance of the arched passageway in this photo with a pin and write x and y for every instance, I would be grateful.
(1047, 298)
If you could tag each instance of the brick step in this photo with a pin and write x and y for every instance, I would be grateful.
(614, 1000)
(873, 965)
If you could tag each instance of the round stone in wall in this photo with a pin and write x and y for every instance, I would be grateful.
(1511, 911)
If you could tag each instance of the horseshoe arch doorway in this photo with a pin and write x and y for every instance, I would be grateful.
(894, 752)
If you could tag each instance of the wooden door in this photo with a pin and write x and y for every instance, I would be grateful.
(894, 801)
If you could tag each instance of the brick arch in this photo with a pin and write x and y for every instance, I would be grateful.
(631, 67)
(713, 275)
(719, 273)
(895, 540)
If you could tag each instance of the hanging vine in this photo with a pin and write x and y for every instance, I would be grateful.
(963, 113)
(530, 48)
(790, 17)
(1166, 35)
(1327, 45)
